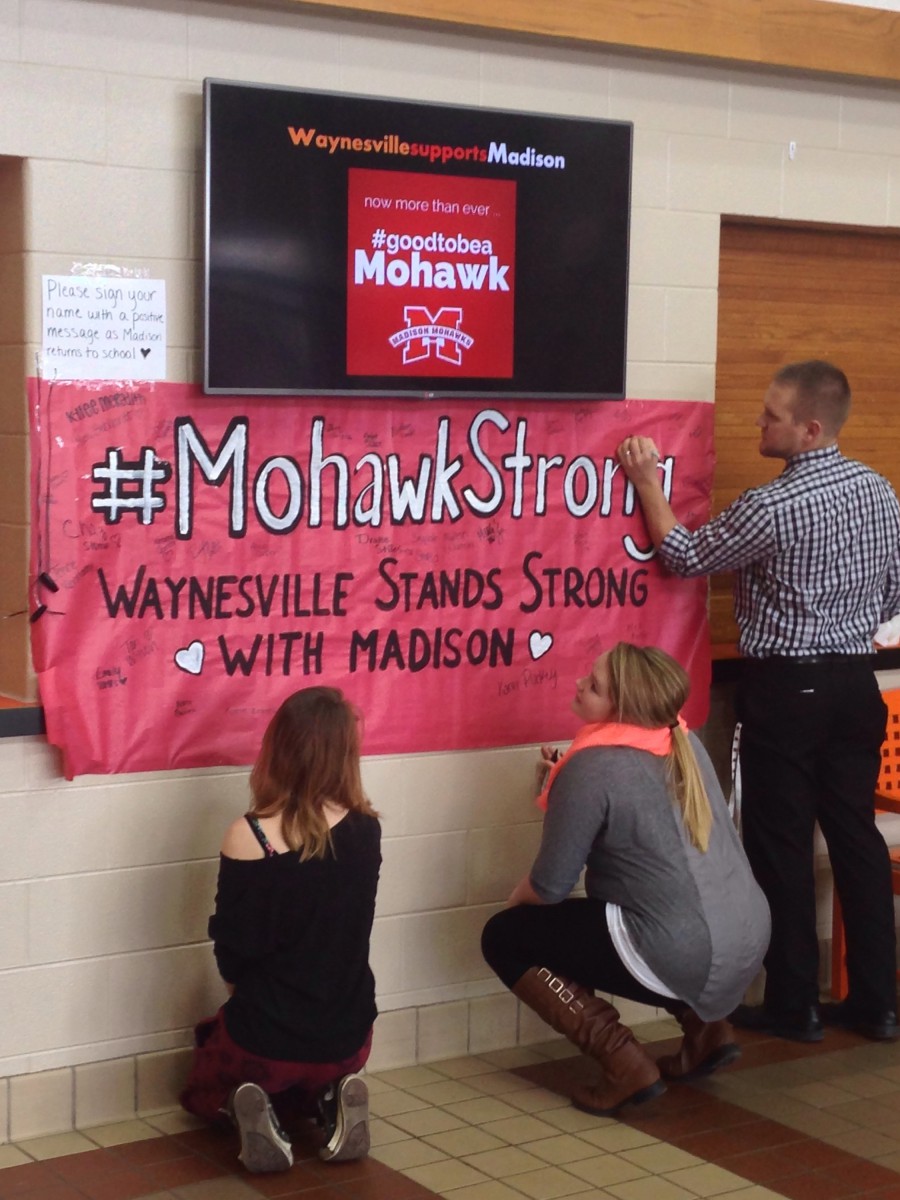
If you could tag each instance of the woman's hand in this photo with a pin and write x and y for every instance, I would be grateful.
(549, 755)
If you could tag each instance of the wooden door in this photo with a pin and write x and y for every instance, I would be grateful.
(789, 292)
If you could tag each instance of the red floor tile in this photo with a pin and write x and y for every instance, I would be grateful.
(717, 1144)
(812, 1155)
(760, 1050)
(816, 1185)
(863, 1174)
(211, 1142)
(764, 1166)
(674, 1121)
(77, 1168)
(365, 1180)
(321, 1192)
(345, 1173)
(54, 1191)
(391, 1186)
(151, 1150)
(178, 1172)
(219, 1146)
(19, 1181)
(286, 1183)
(124, 1184)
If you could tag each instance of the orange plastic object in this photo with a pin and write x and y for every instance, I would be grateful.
(887, 799)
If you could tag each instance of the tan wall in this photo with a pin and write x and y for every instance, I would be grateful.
(105, 883)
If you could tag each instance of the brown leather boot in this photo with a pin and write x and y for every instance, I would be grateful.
(706, 1046)
(630, 1075)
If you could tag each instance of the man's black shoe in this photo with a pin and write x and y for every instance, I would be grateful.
(802, 1025)
(879, 1027)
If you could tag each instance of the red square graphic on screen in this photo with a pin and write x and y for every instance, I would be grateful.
(430, 275)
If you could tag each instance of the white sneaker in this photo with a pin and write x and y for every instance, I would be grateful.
(263, 1146)
(345, 1112)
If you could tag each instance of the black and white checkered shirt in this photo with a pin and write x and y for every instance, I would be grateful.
(816, 554)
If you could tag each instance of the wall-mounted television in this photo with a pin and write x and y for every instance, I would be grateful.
(382, 247)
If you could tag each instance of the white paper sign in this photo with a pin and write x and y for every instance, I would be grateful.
(99, 328)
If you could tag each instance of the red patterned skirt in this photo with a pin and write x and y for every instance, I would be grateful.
(219, 1065)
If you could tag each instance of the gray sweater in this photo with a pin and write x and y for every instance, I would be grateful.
(699, 921)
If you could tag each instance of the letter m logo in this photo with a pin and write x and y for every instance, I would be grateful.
(430, 334)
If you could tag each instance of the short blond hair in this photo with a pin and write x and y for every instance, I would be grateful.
(821, 393)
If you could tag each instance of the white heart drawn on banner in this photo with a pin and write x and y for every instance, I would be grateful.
(539, 643)
(190, 659)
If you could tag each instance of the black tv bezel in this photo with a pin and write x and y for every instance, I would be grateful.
(398, 387)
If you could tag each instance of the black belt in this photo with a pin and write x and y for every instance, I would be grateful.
(814, 660)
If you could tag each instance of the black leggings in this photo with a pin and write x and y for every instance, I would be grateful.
(572, 940)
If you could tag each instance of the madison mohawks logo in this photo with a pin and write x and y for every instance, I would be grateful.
(428, 333)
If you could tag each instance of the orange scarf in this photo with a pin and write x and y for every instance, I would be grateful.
(612, 733)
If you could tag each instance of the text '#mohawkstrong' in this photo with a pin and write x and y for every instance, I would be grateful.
(434, 152)
(375, 490)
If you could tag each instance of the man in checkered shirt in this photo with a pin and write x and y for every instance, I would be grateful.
(816, 557)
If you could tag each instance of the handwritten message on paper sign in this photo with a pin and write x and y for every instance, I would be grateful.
(98, 328)
(452, 568)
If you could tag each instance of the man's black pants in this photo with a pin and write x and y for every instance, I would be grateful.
(810, 751)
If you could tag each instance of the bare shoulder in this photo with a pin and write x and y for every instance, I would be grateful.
(240, 842)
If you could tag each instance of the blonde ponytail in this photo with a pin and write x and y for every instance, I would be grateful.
(687, 784)
(649, 688)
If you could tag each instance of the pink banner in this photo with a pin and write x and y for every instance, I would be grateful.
(451, 566)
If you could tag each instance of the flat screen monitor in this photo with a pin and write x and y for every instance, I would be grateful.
(382, 247)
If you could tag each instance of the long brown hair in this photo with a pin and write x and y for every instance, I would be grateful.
(309, 757)
(649, 688)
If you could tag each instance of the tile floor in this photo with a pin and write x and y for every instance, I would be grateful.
(803, 1122)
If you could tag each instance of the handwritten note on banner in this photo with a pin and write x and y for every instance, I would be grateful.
(453, 567)
(99, 328)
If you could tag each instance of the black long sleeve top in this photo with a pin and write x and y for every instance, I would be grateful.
(293, 939)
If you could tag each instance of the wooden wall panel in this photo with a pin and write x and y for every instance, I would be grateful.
(789, 292)
(807, 35)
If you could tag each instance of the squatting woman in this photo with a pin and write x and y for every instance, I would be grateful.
(672, 916)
